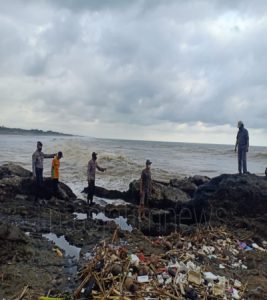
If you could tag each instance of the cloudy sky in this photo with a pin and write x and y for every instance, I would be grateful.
(170, 70)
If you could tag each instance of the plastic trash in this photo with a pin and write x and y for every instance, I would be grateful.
(99, 266)
(244, 246)
(47, 298)
(134, 260)
(160, 279)
(168, 280)
(172, 272)
(182, 267)
(209, 276)
(257, 247)
(143, 279)
(141, 257)
(237, 284)
(208, 249)
(58, 252)
(89, 288)
(194, 277)
(191, 266)
(181, 278)
(191, 294)
(234, 294)
(218, 290)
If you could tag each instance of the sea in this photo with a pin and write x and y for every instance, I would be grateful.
(125, 159)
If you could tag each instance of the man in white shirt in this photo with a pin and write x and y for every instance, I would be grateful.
(91, 170)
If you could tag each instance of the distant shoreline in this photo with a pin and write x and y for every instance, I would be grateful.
(18, 131)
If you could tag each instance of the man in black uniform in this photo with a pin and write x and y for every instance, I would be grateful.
(145, 189)
(242, 142)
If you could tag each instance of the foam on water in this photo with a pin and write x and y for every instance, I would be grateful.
(124, 160)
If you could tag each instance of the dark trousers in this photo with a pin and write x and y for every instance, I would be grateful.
(242, 159)
(55, 185)
(39, 182)
(91, 191)
(39, 176)
(144, 198)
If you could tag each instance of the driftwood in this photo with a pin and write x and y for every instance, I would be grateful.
(24, 291)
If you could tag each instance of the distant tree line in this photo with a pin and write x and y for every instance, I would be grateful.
(19, 131)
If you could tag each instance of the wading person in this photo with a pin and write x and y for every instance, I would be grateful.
(91, 170)
(145, 189)
(38, 166)
(55, 170)
(242, 144)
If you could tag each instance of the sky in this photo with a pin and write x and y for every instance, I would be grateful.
(169, 70)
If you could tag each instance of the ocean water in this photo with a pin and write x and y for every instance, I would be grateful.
(125, 159)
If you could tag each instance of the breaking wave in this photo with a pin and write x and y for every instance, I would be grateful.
(260, 155)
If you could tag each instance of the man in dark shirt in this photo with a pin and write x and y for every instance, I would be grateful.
(145, 189)
(242, 142)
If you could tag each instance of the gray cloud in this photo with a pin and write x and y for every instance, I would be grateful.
(140, 63)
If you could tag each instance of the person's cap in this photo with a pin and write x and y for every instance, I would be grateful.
(60, 154)
(39, 143)
(148, 162)
(240, 123)
(94, 154)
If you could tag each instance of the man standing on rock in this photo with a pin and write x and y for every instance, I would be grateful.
(242, 142)
(145, 189)
(55, 170)
(92, 166)
(38, 166)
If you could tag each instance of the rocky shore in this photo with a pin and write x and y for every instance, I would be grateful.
(30, 258)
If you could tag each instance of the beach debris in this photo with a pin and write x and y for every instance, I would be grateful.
(257, 247)
(23, 293)
(58, 252)
(49, 298)
(191, 270)
(194, 277)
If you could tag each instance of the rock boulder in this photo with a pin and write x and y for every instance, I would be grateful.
(233, 195)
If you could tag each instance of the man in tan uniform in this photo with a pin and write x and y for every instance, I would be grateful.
(91, 170)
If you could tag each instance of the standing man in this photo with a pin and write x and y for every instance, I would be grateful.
(92, 166)
(55, 170)
(242, 142)
(38, 166)
(145, 189)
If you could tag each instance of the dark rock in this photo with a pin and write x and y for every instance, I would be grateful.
(11, 233)
(28, 187)
(200, 180)
(232, 195)
(108, 194)
(17, 182)
(161, 215)
(185, 184)
(11, 170)
(162, 196)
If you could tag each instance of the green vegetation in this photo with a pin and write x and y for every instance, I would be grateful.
(19, 131)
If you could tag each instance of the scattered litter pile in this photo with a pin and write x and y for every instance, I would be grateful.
(209, 264)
